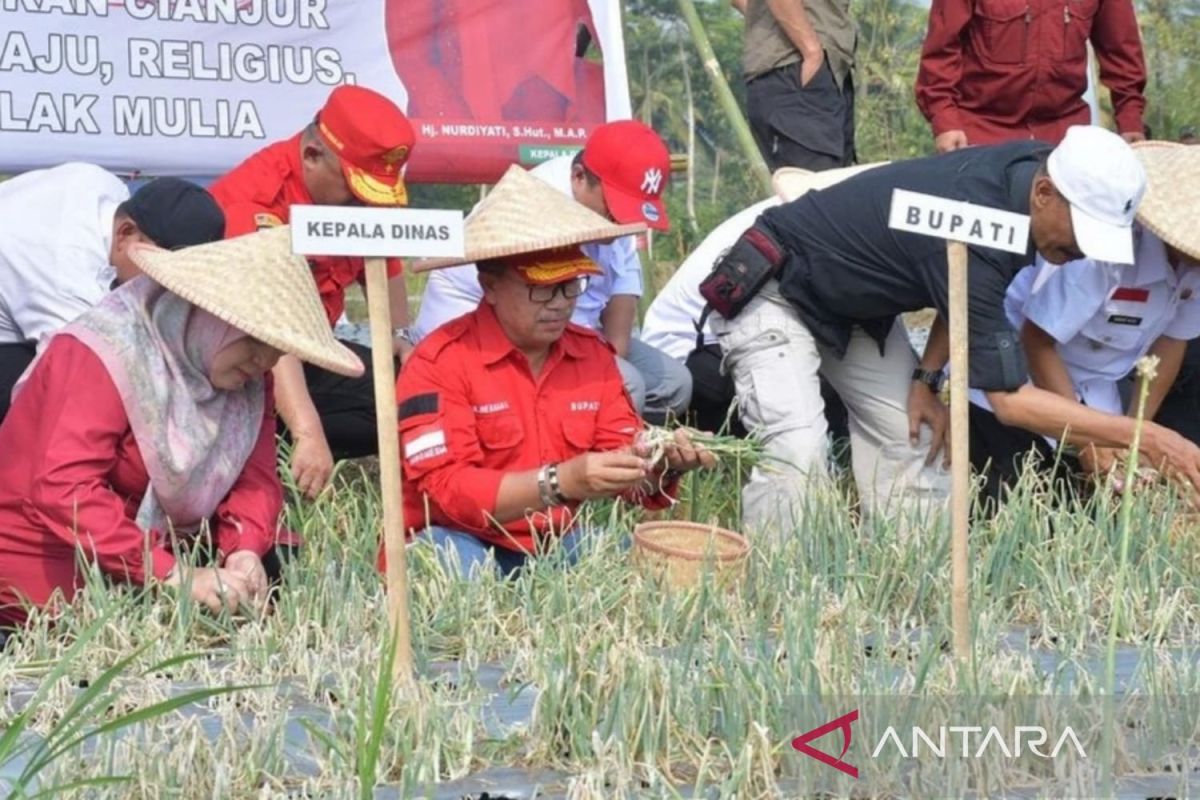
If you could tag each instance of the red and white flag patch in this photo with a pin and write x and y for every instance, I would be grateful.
(1131, 294)
(424, 443)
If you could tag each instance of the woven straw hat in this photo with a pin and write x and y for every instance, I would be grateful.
(791, 182)
(523, 214)
(256, 284)
(1172, 198)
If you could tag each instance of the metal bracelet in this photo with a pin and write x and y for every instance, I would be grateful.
(560, 499)
(544, 487)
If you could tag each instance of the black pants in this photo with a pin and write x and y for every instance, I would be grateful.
(713, 397)
(14, 358)
(810, 127)
(1000, 452)
(346, 407)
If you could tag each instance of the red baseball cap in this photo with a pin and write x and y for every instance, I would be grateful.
(372, 139)
(633, 165)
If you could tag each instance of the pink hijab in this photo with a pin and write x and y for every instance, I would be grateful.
(195, 439)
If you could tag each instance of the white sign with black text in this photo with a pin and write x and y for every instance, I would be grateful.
(376, 232)
(944, 218)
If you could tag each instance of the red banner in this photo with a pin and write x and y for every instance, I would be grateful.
(493, 83)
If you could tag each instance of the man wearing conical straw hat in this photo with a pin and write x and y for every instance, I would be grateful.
(150, 420)
(511, 416)
(1085, 323)
(621, 173)
(353, 153)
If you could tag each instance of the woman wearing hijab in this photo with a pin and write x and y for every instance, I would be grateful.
(150, 421)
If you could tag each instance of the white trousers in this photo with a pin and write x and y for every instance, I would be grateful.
(775, 363)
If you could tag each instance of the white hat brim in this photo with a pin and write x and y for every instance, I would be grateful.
(1100, 240)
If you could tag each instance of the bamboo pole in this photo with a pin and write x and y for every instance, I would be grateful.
(960, 489)
(725, 96)
(691, 138)
(389, 466)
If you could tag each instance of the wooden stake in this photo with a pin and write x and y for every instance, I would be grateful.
(960, 490)
(389, 465)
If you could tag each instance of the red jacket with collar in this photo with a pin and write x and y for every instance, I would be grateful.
(471, 410)
(71, 476)
(1016, 69)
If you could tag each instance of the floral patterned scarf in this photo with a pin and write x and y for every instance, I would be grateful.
(195, 439)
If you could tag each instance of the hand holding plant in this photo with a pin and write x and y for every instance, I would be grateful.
(247, 564)
(213, 587)
(589, 476)
(679, 451)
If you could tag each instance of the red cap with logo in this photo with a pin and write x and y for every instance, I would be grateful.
(372, 139)
(633, 165)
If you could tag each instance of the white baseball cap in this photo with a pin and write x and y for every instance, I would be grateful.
(1101, 177)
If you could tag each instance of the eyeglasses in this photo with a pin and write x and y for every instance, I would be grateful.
(571, 289)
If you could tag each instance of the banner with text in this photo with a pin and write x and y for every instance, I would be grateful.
(191, 87)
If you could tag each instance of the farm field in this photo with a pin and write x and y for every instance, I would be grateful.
(598, 682)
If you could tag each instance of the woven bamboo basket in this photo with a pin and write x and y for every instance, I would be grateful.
(678, 552)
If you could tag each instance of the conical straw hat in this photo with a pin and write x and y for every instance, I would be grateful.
(523, 214)
(256, 284)
(791, 182)
(1172, 198)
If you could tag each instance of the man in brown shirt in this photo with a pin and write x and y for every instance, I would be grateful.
(797, 59)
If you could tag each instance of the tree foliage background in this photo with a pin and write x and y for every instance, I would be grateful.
(665, 71)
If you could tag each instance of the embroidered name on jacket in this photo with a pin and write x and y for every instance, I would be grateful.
(491, 408)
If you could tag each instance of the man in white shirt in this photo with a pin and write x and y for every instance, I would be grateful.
(672, 322)
(1085, 324)
(65, 235)
(620, 174)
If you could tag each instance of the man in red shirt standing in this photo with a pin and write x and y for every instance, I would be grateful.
(351, 154)
(511, 416)
(997, 70)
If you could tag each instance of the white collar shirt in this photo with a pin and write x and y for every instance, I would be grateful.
(1105, 316)
(450, 293)
(55, 242)
(671, 320)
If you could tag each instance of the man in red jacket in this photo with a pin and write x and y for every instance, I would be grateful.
(997, 70)
(511, 416)
(351, 154)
